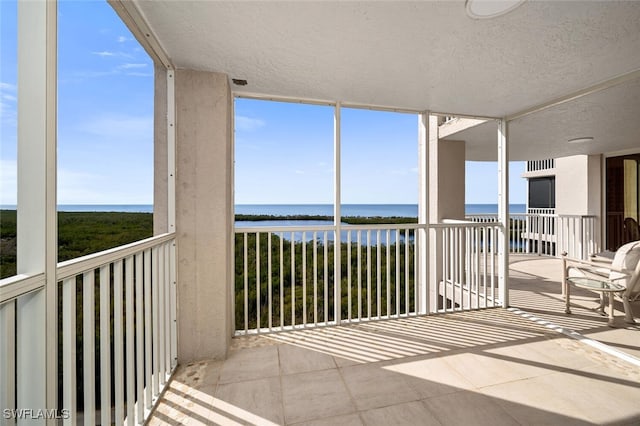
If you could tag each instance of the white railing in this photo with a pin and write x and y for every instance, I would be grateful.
(469, 265)
(129, 328)
(537, 165)
(549, 234)
(549, 210)
(288, 278)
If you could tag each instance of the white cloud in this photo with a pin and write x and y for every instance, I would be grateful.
(122, 39)
(8, 87)
(248, 124)
(8, 112)
(103, 53)
(112, 54)
(115, 127)
(8, 181)
(130, 66)
(139, 74)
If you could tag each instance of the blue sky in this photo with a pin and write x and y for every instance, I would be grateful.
(284, 155)
(284, 152)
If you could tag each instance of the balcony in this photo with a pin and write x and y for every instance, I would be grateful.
(479, 367)
(118, 331)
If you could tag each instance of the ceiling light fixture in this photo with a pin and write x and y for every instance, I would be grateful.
(487, 9)
(583, 139)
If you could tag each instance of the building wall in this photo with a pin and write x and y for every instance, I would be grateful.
(204, 191)
(447, 180)
(578, 185)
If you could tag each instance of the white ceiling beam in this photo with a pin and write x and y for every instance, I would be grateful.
(576, 95)
(134, 20)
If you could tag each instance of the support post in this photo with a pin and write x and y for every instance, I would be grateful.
(37, 211)
(337, 218)
(422, 234)
(503, 213)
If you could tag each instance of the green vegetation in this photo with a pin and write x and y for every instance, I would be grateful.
(303, 295)
(351, 220)
(79, 234)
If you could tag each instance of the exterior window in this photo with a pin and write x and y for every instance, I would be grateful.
(622, 198)
(542, 193)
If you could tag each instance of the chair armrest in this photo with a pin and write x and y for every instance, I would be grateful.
(593, 267)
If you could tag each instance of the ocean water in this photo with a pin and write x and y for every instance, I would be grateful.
(383, 210)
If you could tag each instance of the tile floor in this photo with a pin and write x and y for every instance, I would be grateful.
(491, 367)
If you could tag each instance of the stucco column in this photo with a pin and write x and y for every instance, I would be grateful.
(446, 200)
(204, 193)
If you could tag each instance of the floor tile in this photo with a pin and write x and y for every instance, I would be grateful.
(373, 386)
(430, 376)
(314, 395)
(409, 413)
(251, 400)
(250, 364)
(468, 408)
(295, 359)
(345, 420)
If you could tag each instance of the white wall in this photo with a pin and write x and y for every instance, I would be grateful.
(578, 185)
(204, 190)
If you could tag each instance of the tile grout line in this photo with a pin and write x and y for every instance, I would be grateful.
(577, 336)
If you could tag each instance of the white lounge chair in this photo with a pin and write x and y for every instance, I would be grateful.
(623, 272)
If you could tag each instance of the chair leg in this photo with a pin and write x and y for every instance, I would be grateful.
(628, 313)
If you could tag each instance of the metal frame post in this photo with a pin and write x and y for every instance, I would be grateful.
(37, 211)
(337, 218)
(503, 212)
(422, 240)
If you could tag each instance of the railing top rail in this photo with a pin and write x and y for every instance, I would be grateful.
(283, 228)
(17, 285)
(485, 215)
(464, 224)
(79, 265)
(324, 228)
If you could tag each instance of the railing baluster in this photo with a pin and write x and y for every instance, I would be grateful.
(130, 374)
(105, 344)
(148, 330)
(359, 271)
(167, 312)
(378, 272)
(154, 310)
(326, 278)
(315, 278)
(304, 278)
(407, 308)
(245, 265)
(282, 279)
(69, 356)
(270, 279)
(161, 316)
(88, 346)
(118, 339)
(293, 279)
(139, 338)
(349, 275)
(397, 284)
(368, 273)
(258, 258)
(388, 265)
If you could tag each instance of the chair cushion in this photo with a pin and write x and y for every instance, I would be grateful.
(626, 259)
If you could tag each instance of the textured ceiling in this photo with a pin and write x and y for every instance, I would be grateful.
(423, 55)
